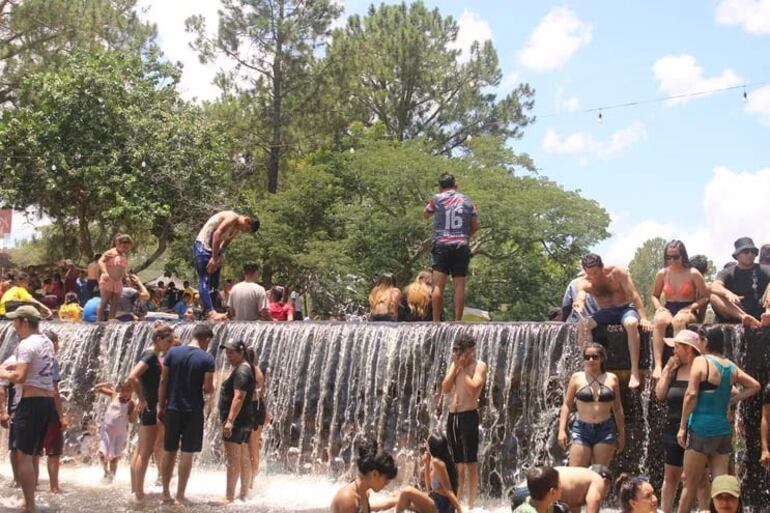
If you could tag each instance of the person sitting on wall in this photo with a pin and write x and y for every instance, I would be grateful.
(579, 486)
(739, 294)
(18, 295)
(685, 292)
(619, 303)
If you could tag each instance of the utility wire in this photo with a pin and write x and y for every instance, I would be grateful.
(657, 100)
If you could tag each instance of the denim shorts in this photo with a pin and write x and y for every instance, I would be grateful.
(588, 434)
(615, 314)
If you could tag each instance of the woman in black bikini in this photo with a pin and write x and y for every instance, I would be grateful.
(598, 430)
(375, 471)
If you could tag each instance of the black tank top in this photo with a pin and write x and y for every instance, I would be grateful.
(675, 401)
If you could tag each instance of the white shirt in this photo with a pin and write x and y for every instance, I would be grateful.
(206, 235)
(37, 352)
(247, 299)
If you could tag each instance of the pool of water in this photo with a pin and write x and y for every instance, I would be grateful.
(84, 492)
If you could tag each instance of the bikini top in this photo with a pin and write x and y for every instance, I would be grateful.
(586, 393)
(687, 289)
(705, 384)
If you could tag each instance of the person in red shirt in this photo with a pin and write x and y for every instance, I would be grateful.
(280, 310)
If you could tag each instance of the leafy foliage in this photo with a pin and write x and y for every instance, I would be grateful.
(647, 261)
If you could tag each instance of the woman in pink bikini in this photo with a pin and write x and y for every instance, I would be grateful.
(686, 294)
(113, 266)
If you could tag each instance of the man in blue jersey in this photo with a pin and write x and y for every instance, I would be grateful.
(455, 220)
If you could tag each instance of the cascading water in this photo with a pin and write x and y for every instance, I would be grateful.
(328, 383)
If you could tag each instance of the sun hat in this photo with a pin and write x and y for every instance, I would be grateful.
(726, 484)
(744, 243)
(24, 312)
(686, 337)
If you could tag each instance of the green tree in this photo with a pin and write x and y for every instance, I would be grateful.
(647, 261)
(105, 144)
(272, 44)
(39, 35)
(399, 66)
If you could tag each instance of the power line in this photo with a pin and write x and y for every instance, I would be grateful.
(660, 99)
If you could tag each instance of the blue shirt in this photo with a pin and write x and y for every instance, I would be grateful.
(180, 308)
(91, 308)
(452, 216)
(187, 366)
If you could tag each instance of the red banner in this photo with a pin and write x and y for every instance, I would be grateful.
(6, 219)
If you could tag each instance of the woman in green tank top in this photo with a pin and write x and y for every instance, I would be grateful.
(704, 430)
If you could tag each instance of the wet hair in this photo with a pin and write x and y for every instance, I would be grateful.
(384, 283)
(626, 488)
(447, 181)
(701, 263)
(370, 460)
(715, 339)
(679, 246)
(277, 293)
(202, 331)
(541, 480)
(418, 299)
(464, 341)
(438, 446)
(250, 267)
(591, 260)
(122, 237)
(253, 223)
(160, 331)
(601, 350)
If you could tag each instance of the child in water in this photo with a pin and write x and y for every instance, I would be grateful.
(113, 266)
(114, 433)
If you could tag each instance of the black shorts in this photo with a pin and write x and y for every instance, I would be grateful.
(149, 417)
(239, 435)
(53, 444)
(186, 426)
(452, 260)
(30, 423)
(463, 435)
(260, 414)
(674, 453)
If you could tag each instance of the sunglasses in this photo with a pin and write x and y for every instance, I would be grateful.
(594, 356)
(673, 257)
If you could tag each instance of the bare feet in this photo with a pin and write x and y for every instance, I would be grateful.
(633, 381)
(766, 320)
(181, 501)
(167, 499)
(657, 372)
(750, 322)
(56, 490)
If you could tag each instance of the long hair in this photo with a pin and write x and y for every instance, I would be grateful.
(439, 448)
(418, 295)
(626, 488)
(679, 246)
(384, 283)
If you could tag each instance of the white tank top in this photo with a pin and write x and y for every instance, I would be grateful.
(206, 235)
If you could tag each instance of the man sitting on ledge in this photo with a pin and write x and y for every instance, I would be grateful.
(619, 303)
(739, 294)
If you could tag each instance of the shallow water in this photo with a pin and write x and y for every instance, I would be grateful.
(84, 491)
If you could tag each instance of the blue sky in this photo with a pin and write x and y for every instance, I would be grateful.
(696, 169)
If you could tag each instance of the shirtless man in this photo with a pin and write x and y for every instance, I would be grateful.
(209, 248)
(462, 385)
(579, 486)
(619, 303)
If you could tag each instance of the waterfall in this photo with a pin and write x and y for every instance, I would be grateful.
(328, 383)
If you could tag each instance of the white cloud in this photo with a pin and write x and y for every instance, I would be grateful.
(509, 82)
(752, 15)
(471, 27)
(584, 145)
(759, 103)
(722, 223)
(555, 40)
(197, 78)
(681, 74)
(571, 104)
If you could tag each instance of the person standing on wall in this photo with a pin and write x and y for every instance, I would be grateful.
(187, 374)
(455, 221)
(209, 249)
(34, 371)
(462, 385)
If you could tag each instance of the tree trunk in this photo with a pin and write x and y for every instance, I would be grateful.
(162, 246)
(276, 142)
(84, 234)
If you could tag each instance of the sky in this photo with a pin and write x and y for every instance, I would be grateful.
(695, 168)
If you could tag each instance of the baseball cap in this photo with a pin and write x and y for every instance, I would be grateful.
(24, 312)
(234, 345)
(726, 484)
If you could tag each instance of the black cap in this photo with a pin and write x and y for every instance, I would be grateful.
(744, 243)
(234, 345)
